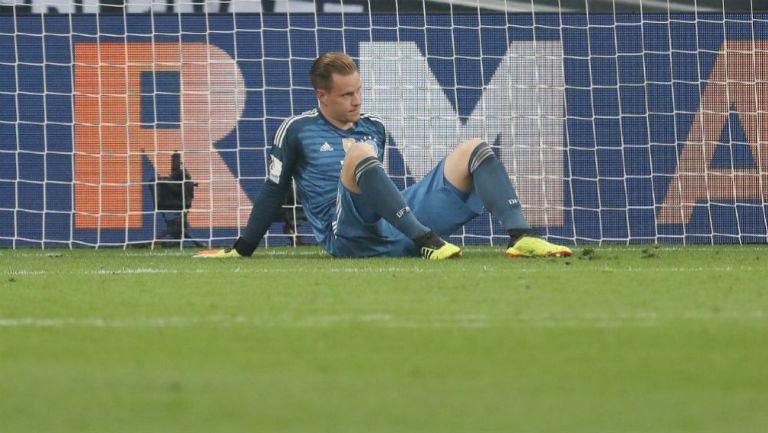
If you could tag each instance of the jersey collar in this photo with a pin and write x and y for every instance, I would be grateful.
(344, 131)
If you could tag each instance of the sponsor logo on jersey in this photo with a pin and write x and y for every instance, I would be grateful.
(326, 147)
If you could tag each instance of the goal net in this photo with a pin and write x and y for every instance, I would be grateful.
(122, 123)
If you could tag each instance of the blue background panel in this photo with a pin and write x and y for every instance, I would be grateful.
(633, 85)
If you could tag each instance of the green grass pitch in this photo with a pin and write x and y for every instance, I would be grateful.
(614, 339)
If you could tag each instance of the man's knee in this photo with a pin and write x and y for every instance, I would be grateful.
(457, 167)
(355, 153)
(463, 152)
(467, 147)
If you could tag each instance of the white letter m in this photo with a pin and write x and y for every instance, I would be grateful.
(521, 110)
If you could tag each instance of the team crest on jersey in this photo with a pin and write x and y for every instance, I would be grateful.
(347, 142)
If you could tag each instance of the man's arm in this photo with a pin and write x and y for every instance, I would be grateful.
(282, 161)
(283, 158)
(381, 130)
(265, 207)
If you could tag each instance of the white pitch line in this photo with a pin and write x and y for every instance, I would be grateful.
(469, 251)
(254, 270)
(369, 270)
(385, 320)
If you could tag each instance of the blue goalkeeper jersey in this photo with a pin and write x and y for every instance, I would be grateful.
(310, 150)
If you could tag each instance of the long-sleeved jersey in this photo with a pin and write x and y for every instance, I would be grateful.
(310, 150)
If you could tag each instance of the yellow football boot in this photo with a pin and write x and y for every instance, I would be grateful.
(529, 246)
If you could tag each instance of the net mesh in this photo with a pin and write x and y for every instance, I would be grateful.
(649, 126)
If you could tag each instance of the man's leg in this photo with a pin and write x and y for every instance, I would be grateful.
(362, 173)
(474, 165)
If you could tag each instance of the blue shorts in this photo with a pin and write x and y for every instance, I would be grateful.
(436, 203)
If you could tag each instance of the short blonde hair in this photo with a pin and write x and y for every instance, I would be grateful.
(330, 63)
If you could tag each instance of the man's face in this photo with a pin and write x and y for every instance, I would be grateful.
(341, 104)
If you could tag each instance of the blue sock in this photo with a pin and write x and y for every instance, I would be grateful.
(382, 196)
(495, 189)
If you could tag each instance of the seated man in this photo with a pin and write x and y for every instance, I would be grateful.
(334, 154)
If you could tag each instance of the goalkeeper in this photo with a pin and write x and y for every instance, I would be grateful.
(334, 154)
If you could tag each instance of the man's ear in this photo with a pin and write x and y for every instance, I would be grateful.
(320, 93)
